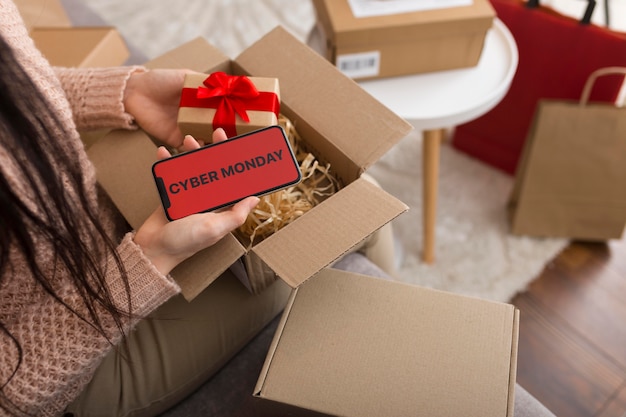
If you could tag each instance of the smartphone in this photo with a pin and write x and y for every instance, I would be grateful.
(223, 173)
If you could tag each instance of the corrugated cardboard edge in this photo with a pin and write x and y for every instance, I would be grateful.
(187, 56)
(513, 370)
(110, 51)
(272, 349)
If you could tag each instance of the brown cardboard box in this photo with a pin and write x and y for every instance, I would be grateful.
(355, 346)
(44, 13)
(340, 123)
(81, 46)
(406, 43)
(198, 121)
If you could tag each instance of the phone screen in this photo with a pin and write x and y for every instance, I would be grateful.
(223, 173)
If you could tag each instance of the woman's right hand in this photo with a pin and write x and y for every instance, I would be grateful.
(167, 243)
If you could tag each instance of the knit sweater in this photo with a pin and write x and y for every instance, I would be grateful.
(60, 351)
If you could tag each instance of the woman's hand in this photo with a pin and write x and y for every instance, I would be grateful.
(153, 97)
(167, 243)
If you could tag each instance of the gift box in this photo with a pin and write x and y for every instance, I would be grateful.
(334, 118)
(392, 44)
(236, 103)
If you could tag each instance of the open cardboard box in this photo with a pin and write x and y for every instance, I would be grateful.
(405, 43)
(340, 124)
(81, 46)
(349, 345)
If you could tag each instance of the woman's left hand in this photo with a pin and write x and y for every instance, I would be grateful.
(153, 97)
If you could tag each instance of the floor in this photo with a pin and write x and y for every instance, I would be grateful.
(572, 349)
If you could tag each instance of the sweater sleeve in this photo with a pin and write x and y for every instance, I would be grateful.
(95, 96)
(148, 286)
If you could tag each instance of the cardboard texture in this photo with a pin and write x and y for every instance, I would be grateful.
(355, 346)
(406, 43)
(42, 13)
(81, 46)
(199, 121)
(333, 115)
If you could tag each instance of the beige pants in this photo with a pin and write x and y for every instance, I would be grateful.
(183, 344)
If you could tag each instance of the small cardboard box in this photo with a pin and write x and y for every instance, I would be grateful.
(81, 46)
(349, 345)
(196, 116)
(405, 43)
(340, 123)
(48, 13)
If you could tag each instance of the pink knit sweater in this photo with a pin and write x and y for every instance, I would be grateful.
(60, 352)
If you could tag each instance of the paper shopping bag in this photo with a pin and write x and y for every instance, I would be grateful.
(556, 56)
(571, 181)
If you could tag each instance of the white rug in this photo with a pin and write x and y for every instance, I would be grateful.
(475, 254)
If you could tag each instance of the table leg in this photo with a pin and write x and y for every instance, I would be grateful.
(430, 159)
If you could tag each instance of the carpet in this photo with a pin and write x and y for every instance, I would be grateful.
(475, 254)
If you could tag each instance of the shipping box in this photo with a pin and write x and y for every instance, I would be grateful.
(81, 46)
(340, 124)
(349, 345)
(404, 43)
(43, 13)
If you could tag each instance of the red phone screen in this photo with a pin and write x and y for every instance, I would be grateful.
(224, 173)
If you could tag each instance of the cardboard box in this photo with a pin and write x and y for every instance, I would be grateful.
(196, 117)
(81, 46)
(355, 346)
(406, 43)
(340, 123)
(46, 13)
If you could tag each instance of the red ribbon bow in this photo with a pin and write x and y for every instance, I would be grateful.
(229, 95)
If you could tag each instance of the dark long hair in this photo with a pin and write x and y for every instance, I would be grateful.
(51, 208)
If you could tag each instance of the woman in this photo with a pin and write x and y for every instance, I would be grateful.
(73, 281)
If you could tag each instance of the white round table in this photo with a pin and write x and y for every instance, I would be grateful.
(438, 100)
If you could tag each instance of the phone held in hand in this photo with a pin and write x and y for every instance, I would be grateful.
(223, 173)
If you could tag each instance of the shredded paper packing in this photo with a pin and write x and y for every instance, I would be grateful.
(276, 210)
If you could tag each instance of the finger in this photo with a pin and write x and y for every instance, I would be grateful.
(190, 144)
(163, 153)
(219, 135)
(228, 220)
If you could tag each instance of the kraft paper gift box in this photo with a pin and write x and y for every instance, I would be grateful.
(237, 103)
(339, 123)
(403, 43)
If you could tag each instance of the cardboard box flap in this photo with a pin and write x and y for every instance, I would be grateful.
(197, 55)
(356, 212)
(126, 182)
(199, 271)
(345, 29)
(453, 352)
(338, 108)
(81, 46)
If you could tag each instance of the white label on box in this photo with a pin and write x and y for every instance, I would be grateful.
(361, 65)
(369, 8)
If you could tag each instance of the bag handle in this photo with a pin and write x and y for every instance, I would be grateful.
(584, 97)
(586, 19)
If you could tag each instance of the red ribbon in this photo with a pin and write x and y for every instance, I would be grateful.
(229, 95)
